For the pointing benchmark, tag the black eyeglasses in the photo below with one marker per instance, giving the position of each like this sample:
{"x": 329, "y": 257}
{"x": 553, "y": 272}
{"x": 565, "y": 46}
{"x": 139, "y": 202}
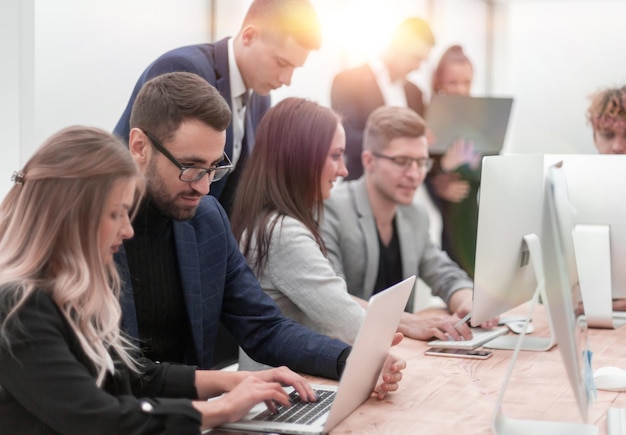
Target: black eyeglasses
{"x": 404, "y": 162}
{"x": 189, "y": 174}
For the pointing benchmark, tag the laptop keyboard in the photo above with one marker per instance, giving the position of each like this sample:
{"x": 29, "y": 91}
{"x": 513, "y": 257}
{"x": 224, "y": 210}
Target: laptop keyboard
{"x": 479, "y": 337}
{"x": 300, "y": 412}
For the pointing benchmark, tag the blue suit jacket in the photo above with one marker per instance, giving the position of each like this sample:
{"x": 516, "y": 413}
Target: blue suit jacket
{"x": 209, "y": 61}
{"x": 219, "y": 285}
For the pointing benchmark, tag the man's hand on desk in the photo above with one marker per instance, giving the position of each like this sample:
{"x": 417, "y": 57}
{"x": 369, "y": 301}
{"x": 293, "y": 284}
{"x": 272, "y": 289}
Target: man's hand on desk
{"x": 391, "y": 374}
{"x": 460, "y": 304}
{"x": 441, "y": 326}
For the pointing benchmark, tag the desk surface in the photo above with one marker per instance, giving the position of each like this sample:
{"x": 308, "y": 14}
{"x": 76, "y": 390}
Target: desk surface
{"x": 440, "y": 395}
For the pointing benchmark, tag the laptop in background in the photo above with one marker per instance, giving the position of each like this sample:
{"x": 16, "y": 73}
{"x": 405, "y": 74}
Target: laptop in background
{"x": 483, "y": 120}
{"x": 359, "y": 378}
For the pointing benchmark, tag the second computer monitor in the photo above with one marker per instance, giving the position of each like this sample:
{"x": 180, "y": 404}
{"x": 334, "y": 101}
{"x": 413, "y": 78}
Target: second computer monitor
{"x": 596, "y": 187}
{"x": 510, "y": 208}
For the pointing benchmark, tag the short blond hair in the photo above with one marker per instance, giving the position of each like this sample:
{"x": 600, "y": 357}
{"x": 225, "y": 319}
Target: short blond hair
{"x": 387, "y": 123}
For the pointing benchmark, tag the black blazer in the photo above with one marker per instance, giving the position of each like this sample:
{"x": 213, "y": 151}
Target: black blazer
{"x": 47, "y": 384}
{"x": 354, "y": 95}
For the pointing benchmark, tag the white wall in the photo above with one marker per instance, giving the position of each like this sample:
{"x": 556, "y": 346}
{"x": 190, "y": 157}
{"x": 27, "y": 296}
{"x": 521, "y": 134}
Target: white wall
{"x": 16, "y": 84}
{"x": 75, "y": 62}
{"x": 89, "y": 54}
{"x": 71, "y": 61}
{"x": 556, "y": 53}
{"x": 353, "y": 31}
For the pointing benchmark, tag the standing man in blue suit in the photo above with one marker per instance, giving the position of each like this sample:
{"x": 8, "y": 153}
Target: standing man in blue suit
{"x": 183, "y": 272}
{"x": 275, "y": 38}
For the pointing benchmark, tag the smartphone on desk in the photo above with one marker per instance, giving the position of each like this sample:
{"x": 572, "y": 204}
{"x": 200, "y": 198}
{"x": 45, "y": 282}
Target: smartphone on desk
{"x": 459, "y": 353}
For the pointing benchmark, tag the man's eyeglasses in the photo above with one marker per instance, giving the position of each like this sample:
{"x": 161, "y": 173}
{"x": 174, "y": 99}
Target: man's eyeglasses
{"x": 189, "y": 174}
{"x": 404, "y": 162}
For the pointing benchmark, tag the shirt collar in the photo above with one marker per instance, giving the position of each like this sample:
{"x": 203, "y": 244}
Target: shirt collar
{"x": 381, "y": 71}
{"x": 237, "y": 86}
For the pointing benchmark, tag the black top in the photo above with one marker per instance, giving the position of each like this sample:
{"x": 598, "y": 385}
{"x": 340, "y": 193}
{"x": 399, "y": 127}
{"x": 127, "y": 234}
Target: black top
{"x": 389, "y": 262}
{"x": 165, "y": 333}
{"x": 48, "y": 385}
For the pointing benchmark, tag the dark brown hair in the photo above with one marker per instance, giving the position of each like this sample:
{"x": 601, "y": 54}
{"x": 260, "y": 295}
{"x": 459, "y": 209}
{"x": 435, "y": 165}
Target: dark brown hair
{"x": 166, "y": 101}
{"x": 283, "y": 174}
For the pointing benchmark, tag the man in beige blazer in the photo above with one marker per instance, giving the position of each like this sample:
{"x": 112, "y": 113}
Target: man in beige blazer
{"x": 375, "y": 235}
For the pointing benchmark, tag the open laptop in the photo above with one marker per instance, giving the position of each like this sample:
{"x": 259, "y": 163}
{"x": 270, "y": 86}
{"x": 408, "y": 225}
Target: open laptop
{"x": 359, "y": 378}
{"x": 483, "y": 120}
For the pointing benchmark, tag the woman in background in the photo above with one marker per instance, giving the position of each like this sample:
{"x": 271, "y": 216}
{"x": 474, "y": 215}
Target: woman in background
{"x": 454, "y": 180}
{"x": 65, "y": 367}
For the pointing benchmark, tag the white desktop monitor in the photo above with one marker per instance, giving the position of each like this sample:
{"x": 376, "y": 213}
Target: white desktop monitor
{"x": 566, "y": 306}
{"x": 596, "y": 185}
{"x": 510, "y": 207}
{"x": 510, "y": 214}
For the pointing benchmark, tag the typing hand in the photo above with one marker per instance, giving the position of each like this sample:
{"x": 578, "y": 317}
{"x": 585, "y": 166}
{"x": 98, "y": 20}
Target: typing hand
{"x": 286, "y": 377}
{"x": 441, "y": 326}
{"x": 391, "y": 374}
{"x": 235, "y": 404}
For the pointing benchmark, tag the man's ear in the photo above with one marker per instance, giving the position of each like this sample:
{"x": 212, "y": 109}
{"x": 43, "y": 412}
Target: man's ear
{"x": 367, "y": 159}
{"x": 139, "y": 146}
{"x": 249, "y": 33}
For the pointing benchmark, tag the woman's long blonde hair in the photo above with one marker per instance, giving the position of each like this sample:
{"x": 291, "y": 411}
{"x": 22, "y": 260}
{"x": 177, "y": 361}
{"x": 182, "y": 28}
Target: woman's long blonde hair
{"x": 49, "y": 224}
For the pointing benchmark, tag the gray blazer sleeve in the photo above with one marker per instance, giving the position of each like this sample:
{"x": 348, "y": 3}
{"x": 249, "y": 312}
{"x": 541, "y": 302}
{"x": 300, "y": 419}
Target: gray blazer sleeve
{"x": 302, "y": 282}
{"x": 349, "y": 231}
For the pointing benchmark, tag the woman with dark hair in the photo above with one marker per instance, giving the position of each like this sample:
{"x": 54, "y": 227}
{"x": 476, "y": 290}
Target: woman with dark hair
{"x": 297, "y": 156}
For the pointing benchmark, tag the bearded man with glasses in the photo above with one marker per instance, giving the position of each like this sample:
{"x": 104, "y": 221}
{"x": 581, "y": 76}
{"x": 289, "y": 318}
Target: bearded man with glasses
{"x": 376, "y": 235}
{"x": 183, "y": 273}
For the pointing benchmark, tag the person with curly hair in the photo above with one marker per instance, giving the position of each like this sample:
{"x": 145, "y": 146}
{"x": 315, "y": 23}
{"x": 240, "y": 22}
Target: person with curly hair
{"x": 607, "y": 116}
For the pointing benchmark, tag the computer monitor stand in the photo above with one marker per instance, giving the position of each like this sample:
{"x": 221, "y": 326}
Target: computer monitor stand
{"x": 532, "y": 244}
{"x": 593, "y": 260}
{"x": 503, "y": 425}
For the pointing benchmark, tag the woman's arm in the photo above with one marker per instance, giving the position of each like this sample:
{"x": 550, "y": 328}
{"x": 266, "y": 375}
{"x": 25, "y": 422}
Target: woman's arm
{"x": 48, "y": 376}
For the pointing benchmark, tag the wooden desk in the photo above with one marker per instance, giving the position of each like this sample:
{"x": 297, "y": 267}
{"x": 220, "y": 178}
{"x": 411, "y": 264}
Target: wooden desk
{"x": 440, "y": 395}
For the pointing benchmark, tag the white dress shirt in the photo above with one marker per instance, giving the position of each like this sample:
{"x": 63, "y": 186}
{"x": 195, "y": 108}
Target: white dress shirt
{"x": 237, "y": 91}
{"x": 393, "y": 92}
